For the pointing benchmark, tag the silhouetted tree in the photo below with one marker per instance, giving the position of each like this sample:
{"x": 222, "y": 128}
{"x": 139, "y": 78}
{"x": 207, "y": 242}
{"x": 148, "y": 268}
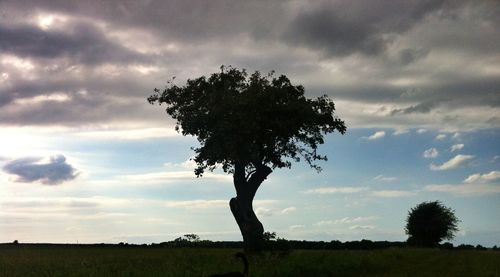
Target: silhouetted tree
{"x": 192, "y": 237}
{"x": 446, "y": 245}
{"x": 430, "y": 222}
{"x": 269, "y": 236}
{"x": 249, "y": 125}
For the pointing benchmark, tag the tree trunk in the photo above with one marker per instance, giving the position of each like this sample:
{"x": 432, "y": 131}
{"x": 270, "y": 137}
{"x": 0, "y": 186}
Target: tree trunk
{"x": 241, "y": 205}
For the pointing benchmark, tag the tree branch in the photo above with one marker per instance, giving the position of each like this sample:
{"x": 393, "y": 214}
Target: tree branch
{"x": 261, "y": 173}
{"x": 250, "y": 174}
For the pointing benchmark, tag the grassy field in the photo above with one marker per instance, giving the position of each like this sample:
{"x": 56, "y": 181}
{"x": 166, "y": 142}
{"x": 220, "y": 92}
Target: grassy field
{"x": 33, "y": 260}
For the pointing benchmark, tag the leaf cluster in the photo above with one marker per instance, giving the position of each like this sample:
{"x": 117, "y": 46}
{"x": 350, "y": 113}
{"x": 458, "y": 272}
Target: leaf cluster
{"x": 251, "y": 119}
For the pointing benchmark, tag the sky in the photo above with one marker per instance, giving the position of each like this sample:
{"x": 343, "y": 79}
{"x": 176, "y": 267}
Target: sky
{"x": 84, "y": 158}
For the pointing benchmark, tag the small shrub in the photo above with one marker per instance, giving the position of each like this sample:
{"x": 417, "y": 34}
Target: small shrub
{"x": 480, "y": 247}
{"x": 446, "y": 245}
{"x": 465, "y": 247}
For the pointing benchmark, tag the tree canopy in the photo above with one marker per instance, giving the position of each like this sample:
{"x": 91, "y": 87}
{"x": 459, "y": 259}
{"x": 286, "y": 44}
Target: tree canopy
{"x": 249, "y": 120}
{"x": 429, "y": 223}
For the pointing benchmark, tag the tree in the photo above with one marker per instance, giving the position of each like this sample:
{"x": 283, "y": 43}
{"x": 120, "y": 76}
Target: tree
{"x": 249, "y": 125}
{"x": 192, "y": 237}
{"x": 430, "y": 222}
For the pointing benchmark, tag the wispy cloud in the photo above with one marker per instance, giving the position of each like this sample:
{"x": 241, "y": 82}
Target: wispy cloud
{"x": 385, "y": 178}
{"x": 264, "y": 211}
{"x": 288, "y": 210}
{"x": 261, "y": 211}
{"x": 483, "y": 178}
{"x": 364, "y": 190}
{"x": 297, "y": 227}
{"x": 430, "y": 153}
{"x": 336, "y": 190}
{"x": 128, "y": 134}
{"x": 346, "y": 220}
{"x": 361, "y": 227}
{"x": 454, "y": 162}
{"x": 197, "y": 204}
{"x": 160, "y": 177}
{"x": 399, "y": 132}
{"x": 208, "y": 203}
{"x": 393, "y": 193}
{"x": 464, "y": 189}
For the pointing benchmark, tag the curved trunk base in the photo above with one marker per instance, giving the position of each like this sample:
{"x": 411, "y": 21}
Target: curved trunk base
{"x": 251, "y": 228}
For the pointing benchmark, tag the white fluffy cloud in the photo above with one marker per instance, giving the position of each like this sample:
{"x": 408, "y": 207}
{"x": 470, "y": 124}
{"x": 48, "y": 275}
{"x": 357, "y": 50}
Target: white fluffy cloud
{"x": 430, "y": 153}
{"x": 457, "y": 147}
{"x": 376, "y": 135}
{"x": 475, "y": 184}
{"x": 453, "y": 163}
{"x": 440, "y": 137}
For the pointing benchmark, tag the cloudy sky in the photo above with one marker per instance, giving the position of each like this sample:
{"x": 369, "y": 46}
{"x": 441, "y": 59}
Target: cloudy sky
{"x": 85, "y": 158}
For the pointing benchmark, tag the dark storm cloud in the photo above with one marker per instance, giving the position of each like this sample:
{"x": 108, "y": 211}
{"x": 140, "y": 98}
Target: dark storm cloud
{"x": 411, "y": 57}
{"x": 80, "y": 111}
{"x": 425, "y": 107}
{"x": 81, "y": 42}
{"x": 471, "y": 91}
{"x": 5, "y": 99}
{"x": 194, "y": 20}
{"x": 28, "y": 170}
{"x": 345, "y": 27}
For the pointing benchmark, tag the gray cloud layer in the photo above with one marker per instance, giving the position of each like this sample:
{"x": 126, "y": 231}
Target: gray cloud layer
{"x": 345, "y": 27}
{"x": 82, "y": 43}
{"x": 54, "y": 172}
{"x": 417, "y": 63}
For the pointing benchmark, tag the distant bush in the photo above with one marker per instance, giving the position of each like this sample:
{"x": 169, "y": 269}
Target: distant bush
{"x": 480, "y": 247}
{"x": 192, "y": 237}
{"x": 274, "y": 243}
{"x": 269, "y": 236}
{"x": 465, "y": 247}
{"x": 446, "y": 245}
{"x": 15, "y": 242}
{"x": 429, "y": 223}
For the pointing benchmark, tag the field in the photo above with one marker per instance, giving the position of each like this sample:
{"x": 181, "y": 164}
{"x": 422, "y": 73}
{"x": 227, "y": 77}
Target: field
{"x": 57, "y": 260}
